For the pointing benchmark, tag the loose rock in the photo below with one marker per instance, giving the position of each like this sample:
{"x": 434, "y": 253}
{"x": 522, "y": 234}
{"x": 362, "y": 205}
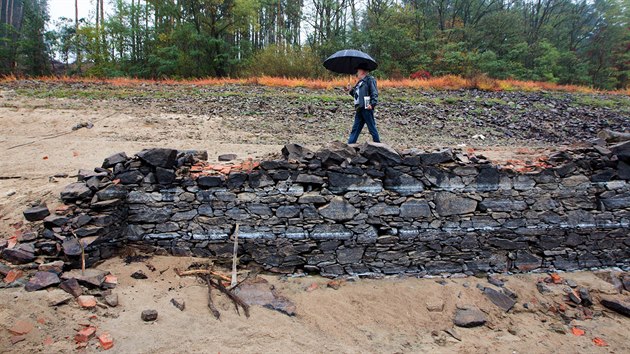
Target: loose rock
{"x": 42, "y": 280}
{"x": 149, "y": 315}
{"x": 469, "y": 317}
{"x": 620, "y": 306}
{"x": 36, "y": 213}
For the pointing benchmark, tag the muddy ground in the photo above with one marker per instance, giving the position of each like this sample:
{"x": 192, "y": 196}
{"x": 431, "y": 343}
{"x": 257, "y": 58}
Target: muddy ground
{"x": 41, "y": 152}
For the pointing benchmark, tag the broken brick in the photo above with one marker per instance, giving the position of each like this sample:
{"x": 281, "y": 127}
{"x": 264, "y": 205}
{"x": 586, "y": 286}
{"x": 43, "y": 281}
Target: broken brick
{"x": 106, "y": 340}
{"x": 86, "y": 301}
{"x": 85, "y": 334}
{"x": 110, "y": 281}
{"x": 13, "y": 275}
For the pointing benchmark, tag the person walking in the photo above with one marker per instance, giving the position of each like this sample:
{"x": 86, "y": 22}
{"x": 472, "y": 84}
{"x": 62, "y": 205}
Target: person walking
{"x": 365, "y": 96}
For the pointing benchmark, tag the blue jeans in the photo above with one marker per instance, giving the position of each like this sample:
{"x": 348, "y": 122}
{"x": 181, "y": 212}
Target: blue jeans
{"x": 362, "y": 117}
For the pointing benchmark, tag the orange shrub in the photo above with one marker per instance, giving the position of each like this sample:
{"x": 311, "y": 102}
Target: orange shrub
{"x": 446, "y": 82}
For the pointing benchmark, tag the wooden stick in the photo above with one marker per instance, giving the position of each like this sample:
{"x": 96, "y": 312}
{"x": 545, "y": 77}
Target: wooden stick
{"x": 235, "y": 299}
{"x": 213, "y": 308}
{"x": 235, "y": 258}
{"x": 201, "y": 272}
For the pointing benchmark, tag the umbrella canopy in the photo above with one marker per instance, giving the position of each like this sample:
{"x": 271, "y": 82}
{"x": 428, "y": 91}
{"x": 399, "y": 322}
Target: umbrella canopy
{"x": 348, "y": 60}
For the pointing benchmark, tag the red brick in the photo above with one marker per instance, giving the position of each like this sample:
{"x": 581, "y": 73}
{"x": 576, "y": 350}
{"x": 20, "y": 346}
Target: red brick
{"x": 107, "y": 342}
{"x": 13, "y": 275}
{"x": 85, "y": 334}
{"x": 86, "y": 301}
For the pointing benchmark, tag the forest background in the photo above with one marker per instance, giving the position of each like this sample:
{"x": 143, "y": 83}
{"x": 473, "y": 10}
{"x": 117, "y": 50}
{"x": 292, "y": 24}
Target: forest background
{"x": 575, "y": 42}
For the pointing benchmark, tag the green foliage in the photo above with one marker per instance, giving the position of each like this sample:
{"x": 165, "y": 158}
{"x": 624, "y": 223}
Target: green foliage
{"x": 563, "y": 41}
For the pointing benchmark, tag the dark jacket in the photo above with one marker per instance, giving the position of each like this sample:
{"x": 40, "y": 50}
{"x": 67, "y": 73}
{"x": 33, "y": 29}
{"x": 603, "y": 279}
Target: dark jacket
{"x": 365, "y": 87}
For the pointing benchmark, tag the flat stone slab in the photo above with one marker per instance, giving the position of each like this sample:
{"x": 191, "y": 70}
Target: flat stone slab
{"x": 259, "y": 292}
{"x": 503, "y": 301}
{"x": 42, "y": 280}
{"x": 469, "y": 317}
{"x": 93, "y": 277}
{"x": 447, "y": 203}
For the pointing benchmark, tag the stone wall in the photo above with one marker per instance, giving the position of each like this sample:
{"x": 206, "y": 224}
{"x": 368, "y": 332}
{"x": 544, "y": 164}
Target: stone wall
{"x": 356, "y": 210}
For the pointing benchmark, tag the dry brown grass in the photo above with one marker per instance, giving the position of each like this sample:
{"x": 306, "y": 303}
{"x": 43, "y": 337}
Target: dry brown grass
{"x": 447, "y": 82}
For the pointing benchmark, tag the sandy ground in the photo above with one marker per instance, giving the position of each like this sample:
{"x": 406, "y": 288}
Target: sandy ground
{"x": 368, "y": 315}
{"x": 364, "y": 316}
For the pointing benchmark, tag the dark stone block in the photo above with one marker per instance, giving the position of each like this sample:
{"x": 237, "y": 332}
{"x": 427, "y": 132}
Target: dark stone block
{"x": 438, "y": 267}
{"x": 259, "y": 179}
{"x": 259, "y": 209}
{"x": 487, "y": 179}
{"x": 382, "y": 209}
{"x": 447, "y": 203}
{"x": 603, "y": 176}
{"x": 338, "y": 209}
{"x": 616, "y": 304}
{"x": 165, "y": 158}
{"x": 349, "y": 255}
{"x": 236, "y": 180}
{"x": 469, "y": 317}
{"x": 113, "y": 191}
{"x": 526, "y": 261}
{"x": 274, "y": 164}
{"x": 415, "y": 208}
{"x": 206, "y": 182}
{"x": 106, "y": 204}
{"x": 17, "y": 255}
{"x": 309, "y": 179}
{"x": 184, "y": 215}
{"x": 130, "y": 177}
{"x": 89, "y": 231}
{"x": 287, "y": 211}
{"x": 280, "y": 175}
{"x": 503, "y": 301}
{"x": 438, "y": 157}
{"x": 76, "y": 191}
{"x": 341, "y": 182}
{"x": 297, "y": 152}
{"x": 622, "y": 150}
{"x": 42, "y": 280}
{"x": 623, "y": 170}
{"x": 150, "y": 215}
{"x": 620, "y": 201}
{"x": 402, "y": 183}
{"x": 381, "y": 153}
{"x": 55, "y": 220}
{"x": 164, "y": 176}
{"x": 36, "y": 213}
{"x": 335, "y": 153}
{"x": 114, "y": 159}
{"x": 227, "y": 157}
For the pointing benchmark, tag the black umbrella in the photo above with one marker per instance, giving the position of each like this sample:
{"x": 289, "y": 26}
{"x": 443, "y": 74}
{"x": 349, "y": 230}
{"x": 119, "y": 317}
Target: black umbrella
{"x": 348, "y": 60}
